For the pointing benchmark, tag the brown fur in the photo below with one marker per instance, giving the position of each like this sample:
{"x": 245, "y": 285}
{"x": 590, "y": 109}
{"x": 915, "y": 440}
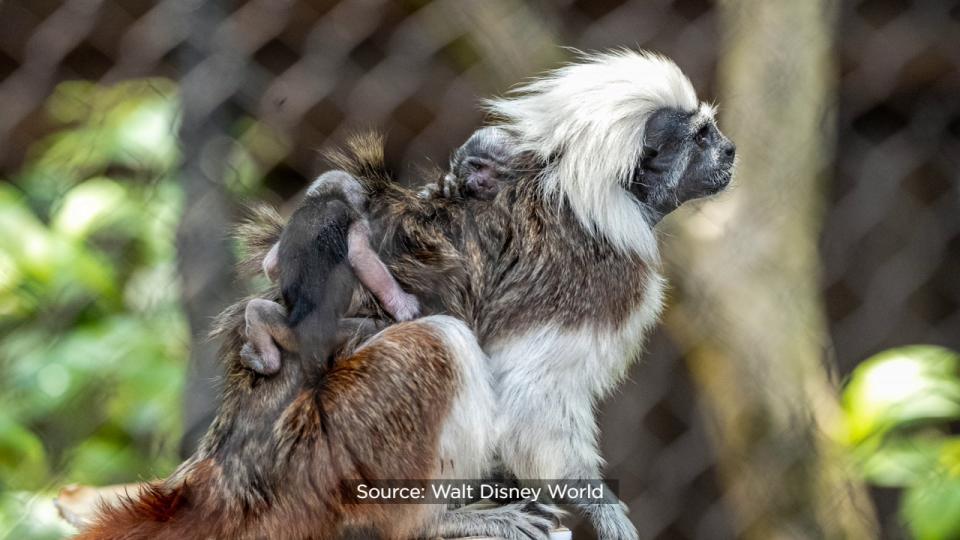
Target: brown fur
{"x": 274, "y": 460}
{"x": 257, "y": 233}
{"x": 503, "y": 266}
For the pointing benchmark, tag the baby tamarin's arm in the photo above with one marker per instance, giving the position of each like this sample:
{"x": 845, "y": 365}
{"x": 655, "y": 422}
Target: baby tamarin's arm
{"x": 375, "y": 276}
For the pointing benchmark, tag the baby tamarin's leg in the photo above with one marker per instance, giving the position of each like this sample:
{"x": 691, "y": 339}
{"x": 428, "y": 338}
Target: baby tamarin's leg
{"x": 375, "y": 276}
{"x": 266, "y": 328}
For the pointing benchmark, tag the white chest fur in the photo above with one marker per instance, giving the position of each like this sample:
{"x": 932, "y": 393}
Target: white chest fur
{"x": 593, "y": 357}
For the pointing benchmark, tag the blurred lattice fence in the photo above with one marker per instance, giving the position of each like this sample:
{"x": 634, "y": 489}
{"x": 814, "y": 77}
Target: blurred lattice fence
{"x": 316, "y": 70}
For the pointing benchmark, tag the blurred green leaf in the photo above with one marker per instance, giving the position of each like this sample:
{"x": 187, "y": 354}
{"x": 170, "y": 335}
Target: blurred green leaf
{"x": 901, "y": 462}
{"x": 94, "y": 203}
{"x": 93, "y": 341}
{"x": 896, "y": 407}
{"x": 22, "y": 460}
{"x": 100, "y": 460}
{"x": 931, "y": 509}
{"x": 901, "y": 386}
{"x": 71, "y": 101}
{"x": 147, "y": 137}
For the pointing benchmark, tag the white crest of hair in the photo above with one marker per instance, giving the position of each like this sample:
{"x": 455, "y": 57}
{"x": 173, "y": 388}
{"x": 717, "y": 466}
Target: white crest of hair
{"x": 586, "y": 121}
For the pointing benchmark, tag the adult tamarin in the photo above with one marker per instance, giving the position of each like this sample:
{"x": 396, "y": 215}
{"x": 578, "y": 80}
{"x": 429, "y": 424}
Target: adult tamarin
{"x": 557, "y": 277}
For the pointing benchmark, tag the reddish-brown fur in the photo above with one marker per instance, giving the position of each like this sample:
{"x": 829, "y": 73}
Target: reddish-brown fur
{"x": 275, "y": 463}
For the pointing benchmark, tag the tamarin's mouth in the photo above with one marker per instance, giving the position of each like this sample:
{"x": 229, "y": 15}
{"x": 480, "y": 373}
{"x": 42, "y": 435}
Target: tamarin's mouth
{"x": 720, "y": 181}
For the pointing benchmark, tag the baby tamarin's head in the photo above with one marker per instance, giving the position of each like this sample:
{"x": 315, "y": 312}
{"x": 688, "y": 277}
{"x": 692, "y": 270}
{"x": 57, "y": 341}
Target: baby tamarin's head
{"x": 482, "y": 164}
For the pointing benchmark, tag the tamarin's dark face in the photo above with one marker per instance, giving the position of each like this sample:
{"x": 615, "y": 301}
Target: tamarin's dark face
{"x": 484, "y": 162}
{"x": 684, "y": 157}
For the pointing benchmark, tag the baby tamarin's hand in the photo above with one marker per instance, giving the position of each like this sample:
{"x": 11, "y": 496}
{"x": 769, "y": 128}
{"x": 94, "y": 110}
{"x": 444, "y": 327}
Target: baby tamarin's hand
{"x": 403, "y": 306}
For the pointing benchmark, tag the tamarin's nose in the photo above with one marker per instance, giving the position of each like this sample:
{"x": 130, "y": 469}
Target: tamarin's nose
{"x": 729, "y": 150}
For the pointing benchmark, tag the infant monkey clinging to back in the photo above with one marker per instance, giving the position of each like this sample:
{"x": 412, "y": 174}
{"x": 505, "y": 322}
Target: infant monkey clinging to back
{"x": 325, "y": 249}
{"x": 478, "y": 167}
{"x": 326, "y": 245}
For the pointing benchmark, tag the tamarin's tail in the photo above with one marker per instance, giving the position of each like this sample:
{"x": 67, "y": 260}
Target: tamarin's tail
{"x": 145, "y": 512}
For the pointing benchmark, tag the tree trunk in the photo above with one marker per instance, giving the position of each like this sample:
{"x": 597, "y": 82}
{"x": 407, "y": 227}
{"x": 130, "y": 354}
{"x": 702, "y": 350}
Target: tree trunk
{"x": 748, "y": 311}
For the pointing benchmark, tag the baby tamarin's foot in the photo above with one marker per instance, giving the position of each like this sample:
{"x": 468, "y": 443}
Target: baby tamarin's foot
{"x": 266, "y": 328}
{"x": 265, "y": 362}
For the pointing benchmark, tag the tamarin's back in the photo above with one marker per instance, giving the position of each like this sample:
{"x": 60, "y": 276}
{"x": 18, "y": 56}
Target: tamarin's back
{"x": 316, "y": 281}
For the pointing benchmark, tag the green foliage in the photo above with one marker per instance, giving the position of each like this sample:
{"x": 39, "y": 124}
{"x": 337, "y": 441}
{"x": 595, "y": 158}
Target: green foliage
{"x": 896, "y": 409}
{"x": 92, "y": 367}
{"x": 93, "y": 343}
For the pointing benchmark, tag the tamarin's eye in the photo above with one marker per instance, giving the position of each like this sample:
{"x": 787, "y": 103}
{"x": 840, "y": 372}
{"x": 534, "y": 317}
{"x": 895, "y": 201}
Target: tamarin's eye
{"x": 701, "y": 136}
{"x": 647, "y": 160}
{"x": 475, "y": 164}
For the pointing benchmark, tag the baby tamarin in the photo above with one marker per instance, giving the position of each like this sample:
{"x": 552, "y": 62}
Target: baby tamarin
{"x": 479, "y": 167}
{"x": 329, "y": 228}
{"x": 325, "y": 248}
